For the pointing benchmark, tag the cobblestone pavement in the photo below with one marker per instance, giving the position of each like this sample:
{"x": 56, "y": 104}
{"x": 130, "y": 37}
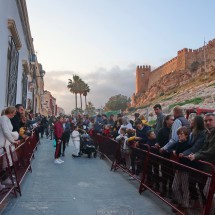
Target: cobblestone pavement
{"x": 79, "y": 186}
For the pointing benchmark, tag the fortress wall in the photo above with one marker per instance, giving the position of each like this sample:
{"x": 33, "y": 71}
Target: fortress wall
{"x": 165, "y": 69}
{"x": 198, "y": 54}
{"x": 183, "y": 60}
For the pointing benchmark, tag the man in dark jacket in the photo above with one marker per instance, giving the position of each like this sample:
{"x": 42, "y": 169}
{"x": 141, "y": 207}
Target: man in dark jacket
{"x": 16, "y": 120}
{"x": 160, "y": 118}
{"x": 207, "y": 152}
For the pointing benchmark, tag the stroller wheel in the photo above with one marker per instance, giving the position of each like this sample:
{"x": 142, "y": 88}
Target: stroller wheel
{"x": 89, "y": 155}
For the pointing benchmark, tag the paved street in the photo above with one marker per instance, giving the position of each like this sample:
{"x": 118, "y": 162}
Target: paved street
{"x": 79, "y": 186}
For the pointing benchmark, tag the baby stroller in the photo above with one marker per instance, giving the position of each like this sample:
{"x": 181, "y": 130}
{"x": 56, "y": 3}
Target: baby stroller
{"x": 87, "y": 146}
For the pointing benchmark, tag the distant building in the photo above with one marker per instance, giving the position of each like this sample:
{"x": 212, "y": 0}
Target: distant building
{"x": 60, "y": 111}
{"x": 49, "y": 104}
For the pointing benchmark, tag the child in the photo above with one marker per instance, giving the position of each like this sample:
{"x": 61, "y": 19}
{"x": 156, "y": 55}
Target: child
{"x": 180, "y": 184}
{"x": 123, "y": 136}
{"x": 125, "y": 153}
{"x": 153, "y": 166}
{"x": 106, "y": 131}
{"x": 76, "y": 142}
{"x": 151, "y": 138}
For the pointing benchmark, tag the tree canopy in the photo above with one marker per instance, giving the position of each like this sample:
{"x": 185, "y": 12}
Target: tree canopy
{"x": 117, "y": 102}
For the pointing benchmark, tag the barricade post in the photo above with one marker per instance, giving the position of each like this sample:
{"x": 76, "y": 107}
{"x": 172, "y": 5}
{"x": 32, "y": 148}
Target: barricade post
{"x": 21, "y": 163}
{"x": 7, "y": 185}
{"x": 21, "y": 158}
{"x": 108, "y": 147}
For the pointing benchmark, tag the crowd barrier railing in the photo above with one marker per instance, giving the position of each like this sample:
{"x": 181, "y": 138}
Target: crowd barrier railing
{"x": 106, "y": 146}
{"x": 21, "y": 158}
{"x": 7, "y": 184}
{"x": 186, "y": 186}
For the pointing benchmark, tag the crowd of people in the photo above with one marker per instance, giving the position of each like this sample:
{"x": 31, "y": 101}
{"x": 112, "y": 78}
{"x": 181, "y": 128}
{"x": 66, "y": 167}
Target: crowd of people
{"x": 171, "y": 133}
{"x": 15, "y": 126}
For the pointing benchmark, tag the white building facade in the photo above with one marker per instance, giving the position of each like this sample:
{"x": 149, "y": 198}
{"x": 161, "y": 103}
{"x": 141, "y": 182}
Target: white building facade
{"x": 21, "y": 77}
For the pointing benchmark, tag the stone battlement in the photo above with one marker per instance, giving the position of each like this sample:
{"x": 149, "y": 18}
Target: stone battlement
{"x": 145, "y": 78}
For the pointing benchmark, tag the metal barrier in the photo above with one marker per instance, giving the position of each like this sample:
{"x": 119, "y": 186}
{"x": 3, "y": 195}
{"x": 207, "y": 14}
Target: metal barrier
{"x": 7, "y": 185}
{"x": 188, "y": 187}
{"x": 106, "y": 146}
{"x": 21, "y": 158}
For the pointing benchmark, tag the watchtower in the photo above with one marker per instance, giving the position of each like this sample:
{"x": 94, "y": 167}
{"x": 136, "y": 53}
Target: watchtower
{"x": 142, "y": 78}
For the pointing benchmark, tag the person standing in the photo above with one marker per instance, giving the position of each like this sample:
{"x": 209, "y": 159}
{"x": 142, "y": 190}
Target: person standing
{"x": 8, "y": 137}
{"x": 44, "y": 125}
{"x": 76, "y": 142}
{"x": 140, "y": 139}
{"x": 52, "y": 121}
{"x": 179, "y": 121}
{"x": 125, "y": 124}
{"x": 111, "y": 121}
{"x": 166, "y": 168}
{"x": 207, "y": 152}
{"x": 58, "y": 132}
{"x": 16, "y": 120}
{"x": 66, "y": 134}
{"x": 160, "y": 118}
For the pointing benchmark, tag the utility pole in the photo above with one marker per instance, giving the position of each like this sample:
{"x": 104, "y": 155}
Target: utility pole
{"x": 205, "y": 60}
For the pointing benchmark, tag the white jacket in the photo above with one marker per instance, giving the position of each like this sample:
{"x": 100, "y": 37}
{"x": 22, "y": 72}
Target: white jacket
{"x": 7, "y": 136}
{"x": 75, "y": 135}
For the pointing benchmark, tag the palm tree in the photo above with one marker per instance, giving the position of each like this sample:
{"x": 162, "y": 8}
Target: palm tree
{"x": 85, "y": 92}
{"x": 81, "y": 84}
{"x": 90, "y": 109}
{"x": 73, "y": 87}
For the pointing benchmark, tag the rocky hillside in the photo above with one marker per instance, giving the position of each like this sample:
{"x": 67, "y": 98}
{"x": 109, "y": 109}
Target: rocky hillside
{"x": 189, "y": 88}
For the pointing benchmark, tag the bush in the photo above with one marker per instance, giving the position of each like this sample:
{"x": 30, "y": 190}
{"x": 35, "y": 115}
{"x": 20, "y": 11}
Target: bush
{"x": 191, "y": 101}
{"x": 211, "y": 85}
{"x": 131, "y": 109}
{"x": 152, "y": 122}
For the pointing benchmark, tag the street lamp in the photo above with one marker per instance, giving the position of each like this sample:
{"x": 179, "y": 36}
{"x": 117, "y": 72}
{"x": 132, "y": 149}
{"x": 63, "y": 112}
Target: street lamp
{"x": 42, "y": 73}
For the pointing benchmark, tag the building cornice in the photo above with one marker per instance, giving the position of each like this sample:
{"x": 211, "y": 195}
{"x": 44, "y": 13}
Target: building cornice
{"x": 23, "y": 12}
{"x": 14, "y": 33}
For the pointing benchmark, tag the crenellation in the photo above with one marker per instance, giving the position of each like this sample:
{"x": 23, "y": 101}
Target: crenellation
{"x": 145, "y": 78}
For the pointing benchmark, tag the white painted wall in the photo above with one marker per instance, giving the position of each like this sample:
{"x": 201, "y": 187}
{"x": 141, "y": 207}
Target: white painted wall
{"x": 9, "y": 10}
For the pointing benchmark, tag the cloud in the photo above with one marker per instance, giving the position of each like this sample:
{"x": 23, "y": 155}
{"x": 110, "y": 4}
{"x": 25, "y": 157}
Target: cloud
{"x": 103, "y": 83}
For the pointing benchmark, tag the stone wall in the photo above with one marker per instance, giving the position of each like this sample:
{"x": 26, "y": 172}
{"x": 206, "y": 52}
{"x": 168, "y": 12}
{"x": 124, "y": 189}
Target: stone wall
{"x": 145, "y": 78}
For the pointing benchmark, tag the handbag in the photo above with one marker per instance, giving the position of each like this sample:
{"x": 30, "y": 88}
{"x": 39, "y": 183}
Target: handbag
{"x": 54, "y": 143}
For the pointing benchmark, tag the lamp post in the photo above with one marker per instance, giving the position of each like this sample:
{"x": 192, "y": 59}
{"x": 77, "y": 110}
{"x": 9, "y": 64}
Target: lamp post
{"x": 205, "y": 60}
{"x": 42, "y": 73}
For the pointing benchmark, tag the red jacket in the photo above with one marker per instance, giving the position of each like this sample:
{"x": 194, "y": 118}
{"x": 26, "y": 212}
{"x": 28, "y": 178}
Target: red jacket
{"x": 58, "y": 130}
{"x": 106, "y": 132}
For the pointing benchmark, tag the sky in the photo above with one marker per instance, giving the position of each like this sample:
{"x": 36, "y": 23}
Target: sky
{"x": 103, "y": 41}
